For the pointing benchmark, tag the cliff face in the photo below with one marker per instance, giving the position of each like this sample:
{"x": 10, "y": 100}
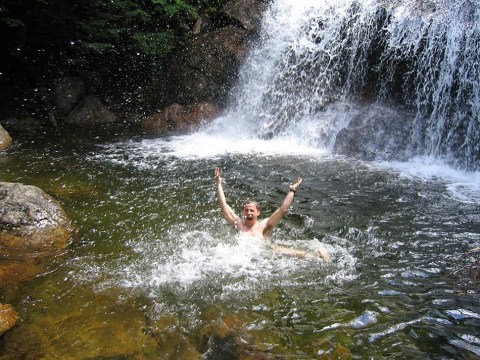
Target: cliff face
{"x": 142, "y": 61}
{"x": 206, "y": 69}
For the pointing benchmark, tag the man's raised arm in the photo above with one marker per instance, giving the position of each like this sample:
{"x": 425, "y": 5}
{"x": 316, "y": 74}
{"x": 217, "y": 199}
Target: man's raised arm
{"x": 231, "y": 217}
{"x": 277, "y": 216}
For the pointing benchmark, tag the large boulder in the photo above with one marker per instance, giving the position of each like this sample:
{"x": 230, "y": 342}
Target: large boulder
{"x": 8, "y": 318}
{"x": 91, "y": 110}
{"x": 376, "y": 133}
{"x": 31, "y": 220}
{"x": 5, "y": 139}
{"x": 67, "y": 95}
{"x": 180, "y": 118}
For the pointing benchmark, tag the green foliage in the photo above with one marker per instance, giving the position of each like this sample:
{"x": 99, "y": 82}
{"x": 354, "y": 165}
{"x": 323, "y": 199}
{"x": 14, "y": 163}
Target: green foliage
{"x": 7, "y": 20}
{"x": 139, "y": 15}
{"x": 173, "y": 8}
{"x": 14, "y": 23}
{"x": 155, "y": 44}
{"x": 151, "y": 26}
{"x": 97, "y": 48}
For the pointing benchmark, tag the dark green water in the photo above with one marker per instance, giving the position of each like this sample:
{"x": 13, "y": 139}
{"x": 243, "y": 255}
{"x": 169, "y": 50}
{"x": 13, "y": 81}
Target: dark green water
{"x": 155, "y": 272}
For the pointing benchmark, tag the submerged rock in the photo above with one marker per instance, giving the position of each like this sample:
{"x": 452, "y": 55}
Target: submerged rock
{"x": 84, "y": 325}
{"x": 15, "y": 272}
{"x": 5, "y": 139}
{"x": 31, "y": 220}
{"x": 23, "y": 123}
{"x": 8, "y": 318}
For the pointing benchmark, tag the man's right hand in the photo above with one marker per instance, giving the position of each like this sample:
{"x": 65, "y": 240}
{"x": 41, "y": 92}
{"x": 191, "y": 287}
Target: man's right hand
{"x": 218, "y": 175}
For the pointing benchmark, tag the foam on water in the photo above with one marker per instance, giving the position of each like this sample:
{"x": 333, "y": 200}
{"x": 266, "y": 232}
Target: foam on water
{"x": 462, "y": 186}
{"x": 366, "y": 319}
{"x": 202, "y": 145}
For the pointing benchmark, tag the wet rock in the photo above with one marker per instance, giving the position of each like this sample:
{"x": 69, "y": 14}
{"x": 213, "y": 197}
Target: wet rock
{"x": 376, "y": 133}
{"x": 195, "y": 116}
{"x": 8, "y": 318}
{"x": 225, "y": 338}
{"x": 201, "y": 24}
{"x": 160, "y": 122}
{"x": 172, "y": 344}
{"x": 31, "y": 220}
{"x": 67, "y": 95}
{"x": 91, "y": 111}
{"x": 5, "y": 139}
{"x": 181, "y": 118}
{"x": 248, "y": 13}
{"x": 208, "y": 68}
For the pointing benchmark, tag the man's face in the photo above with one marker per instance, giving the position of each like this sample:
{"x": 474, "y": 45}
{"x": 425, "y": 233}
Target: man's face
{"x": 250, "y": 214}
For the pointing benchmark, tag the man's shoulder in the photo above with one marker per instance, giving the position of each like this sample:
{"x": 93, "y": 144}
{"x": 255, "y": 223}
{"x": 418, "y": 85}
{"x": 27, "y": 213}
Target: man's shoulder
{"x": 263, "y": 222}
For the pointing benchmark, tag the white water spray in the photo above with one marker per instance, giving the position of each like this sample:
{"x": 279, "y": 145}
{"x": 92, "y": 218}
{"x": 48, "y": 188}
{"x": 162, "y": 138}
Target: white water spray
{"x": 318, "y": 65}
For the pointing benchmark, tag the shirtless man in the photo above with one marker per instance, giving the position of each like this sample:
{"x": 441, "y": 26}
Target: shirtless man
{"x": 261, "y": 228}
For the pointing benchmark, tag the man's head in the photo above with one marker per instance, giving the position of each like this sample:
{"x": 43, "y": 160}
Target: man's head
{"x": 251, "y": 211}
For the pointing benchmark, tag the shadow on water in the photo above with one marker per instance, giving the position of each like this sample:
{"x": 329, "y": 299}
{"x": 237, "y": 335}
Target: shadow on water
{"x": 155, "y": 270}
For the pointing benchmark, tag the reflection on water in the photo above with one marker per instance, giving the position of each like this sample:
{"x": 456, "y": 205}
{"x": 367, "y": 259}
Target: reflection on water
{"x": 154, "y": 263}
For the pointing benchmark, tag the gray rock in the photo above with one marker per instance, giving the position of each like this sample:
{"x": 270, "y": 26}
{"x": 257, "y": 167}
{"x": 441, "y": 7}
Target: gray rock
{"x": 246, "y": 12}
{"x": 31, "y": 220}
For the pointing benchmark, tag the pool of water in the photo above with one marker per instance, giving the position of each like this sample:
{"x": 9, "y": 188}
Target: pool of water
{"x": 155, "y": 271}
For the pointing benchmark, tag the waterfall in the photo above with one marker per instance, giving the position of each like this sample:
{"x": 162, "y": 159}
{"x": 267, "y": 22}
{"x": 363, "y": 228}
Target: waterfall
{"x": 374, "y": 79}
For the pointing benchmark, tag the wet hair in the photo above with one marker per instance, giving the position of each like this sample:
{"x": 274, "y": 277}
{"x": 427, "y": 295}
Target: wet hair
{"x": 256, "y": 203}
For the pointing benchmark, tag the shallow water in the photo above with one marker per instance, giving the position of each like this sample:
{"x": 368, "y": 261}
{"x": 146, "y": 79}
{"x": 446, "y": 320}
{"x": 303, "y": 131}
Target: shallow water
{"x": 154, "y": 265}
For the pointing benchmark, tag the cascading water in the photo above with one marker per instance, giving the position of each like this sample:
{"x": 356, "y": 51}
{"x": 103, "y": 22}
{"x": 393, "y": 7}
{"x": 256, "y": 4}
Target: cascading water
{"x": 374, "y": 79}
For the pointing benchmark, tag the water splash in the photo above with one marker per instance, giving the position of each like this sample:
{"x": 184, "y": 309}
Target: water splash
{"x": 185, "y": 263}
